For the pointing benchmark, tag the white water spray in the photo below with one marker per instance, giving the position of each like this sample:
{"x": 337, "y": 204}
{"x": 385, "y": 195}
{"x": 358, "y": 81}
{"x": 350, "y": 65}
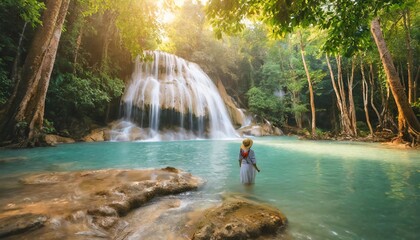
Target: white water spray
{"x": 172, "y": 99}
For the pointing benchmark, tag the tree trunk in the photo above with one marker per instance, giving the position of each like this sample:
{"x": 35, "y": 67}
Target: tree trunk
{"x": 16, "y": 75}
{"x": 296, "y": 100}
{"x": 387, "y": 118}
{"x": 365, "y": 89}
{"x": 311, "y": 91}
{"x": 352, "y": 109}
{"x": 23, "y": 119}
{"x": 347, "y": 129}
{"x": 372, "y": 92}
{"x": 415, "y": 83}
{"x": 406, "y": 21}
{"x": 341, "y": 97}
{"x": 16, "y": 62}
{"x": 78, "y": 44}
{"x": 394, "y": 82}
{"x": 109, "y": 18}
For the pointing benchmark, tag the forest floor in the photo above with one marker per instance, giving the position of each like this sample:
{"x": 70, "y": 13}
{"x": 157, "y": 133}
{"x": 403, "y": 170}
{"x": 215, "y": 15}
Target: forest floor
{"x": 384, "y": 137}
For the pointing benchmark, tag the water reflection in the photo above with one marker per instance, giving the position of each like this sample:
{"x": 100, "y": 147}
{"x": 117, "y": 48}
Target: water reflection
{"x": 398, "y": 179}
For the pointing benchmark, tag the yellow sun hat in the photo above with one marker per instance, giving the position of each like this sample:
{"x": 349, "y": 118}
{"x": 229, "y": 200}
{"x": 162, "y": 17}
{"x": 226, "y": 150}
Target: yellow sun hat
{"x": 247, "y": 143}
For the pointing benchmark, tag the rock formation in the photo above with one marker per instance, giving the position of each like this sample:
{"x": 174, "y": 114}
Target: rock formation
{"x": 79, "y": 205}
{"x": 266, "y": 129}
{"x": 128, "y": 204}
{"x": 238, "y": 218}
{"x": 235, "y": 114}
{"x": 52, "y": 139}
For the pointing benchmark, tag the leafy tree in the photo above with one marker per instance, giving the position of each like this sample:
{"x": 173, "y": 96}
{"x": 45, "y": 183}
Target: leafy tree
{"x": 348, "y": 24}
{"x": 22, "y": 118}
{"x": 265, "y": 105}
{"x": 16, "y": 17}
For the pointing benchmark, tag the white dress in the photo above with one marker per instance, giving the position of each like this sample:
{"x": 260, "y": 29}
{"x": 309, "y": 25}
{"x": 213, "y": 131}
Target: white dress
{"x": 248, "y": 171}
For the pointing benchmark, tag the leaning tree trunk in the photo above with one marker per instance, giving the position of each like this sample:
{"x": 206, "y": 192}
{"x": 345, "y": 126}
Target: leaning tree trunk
{"x": 15, "y": 73}
{"x": 311, "y": 91}
{"x": 16, "y": 62}
{"x": 22, "y": 120}
{"x": 394, "y": 82}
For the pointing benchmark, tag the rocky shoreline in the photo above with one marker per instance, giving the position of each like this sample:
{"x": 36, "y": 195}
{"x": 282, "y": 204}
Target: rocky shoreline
{"x": 126, "y": 204}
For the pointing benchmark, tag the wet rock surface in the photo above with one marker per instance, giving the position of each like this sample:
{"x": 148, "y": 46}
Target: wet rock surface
{"x": 265, "y": 129}
{"x": 52, "y": 139}
{"x": 97, "y": 135}
{"x": 238, "y": 218}
{"x": 129, "y": 204}
{"x": 20, "y": 224}
{"x": 85, "y": 204}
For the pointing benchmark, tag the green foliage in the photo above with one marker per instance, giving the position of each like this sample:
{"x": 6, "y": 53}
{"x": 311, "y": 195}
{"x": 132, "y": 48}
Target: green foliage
{"x": 265, "y": 106}
{"x": 71, "y": 95}
{"x": 5, "y": 87}
{"x": 29, "y": 10}
{"x": 136, "y": 20}
{"x": 347, "y": 22}
{"x": 191, "y": 39}
{"x": 416, "y": 107}
{"x": 48, "y": 127}
{"x": 22, "y": 125}
{"x": 13, "y": 15}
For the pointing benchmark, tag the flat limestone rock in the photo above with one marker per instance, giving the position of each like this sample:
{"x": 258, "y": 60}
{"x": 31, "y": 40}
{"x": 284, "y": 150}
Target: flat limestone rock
{"x": 129, "y": 204}
{"x": 238, "y": 218}
{"x": 21, "y": 223}
{"x": 52, "y": 139}
{"x": 85, "y": 204}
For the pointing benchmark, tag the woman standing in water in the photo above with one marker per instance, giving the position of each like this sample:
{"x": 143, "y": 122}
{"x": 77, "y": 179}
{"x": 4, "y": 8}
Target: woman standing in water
{"x": 247, "y": 162}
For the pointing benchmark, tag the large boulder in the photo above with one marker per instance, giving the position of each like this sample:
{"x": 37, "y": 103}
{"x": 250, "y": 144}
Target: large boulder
{"x": 97, "y": 135}
{"x": 265, "y": 129}
{"x": 238, "y": 218}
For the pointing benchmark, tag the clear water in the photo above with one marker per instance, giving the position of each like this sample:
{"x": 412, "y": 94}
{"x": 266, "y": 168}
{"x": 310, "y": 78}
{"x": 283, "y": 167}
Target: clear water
{"x": 328, "y": 190}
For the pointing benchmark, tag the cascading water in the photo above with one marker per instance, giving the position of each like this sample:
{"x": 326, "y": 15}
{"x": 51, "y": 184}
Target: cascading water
{"x": 170, "y": 98}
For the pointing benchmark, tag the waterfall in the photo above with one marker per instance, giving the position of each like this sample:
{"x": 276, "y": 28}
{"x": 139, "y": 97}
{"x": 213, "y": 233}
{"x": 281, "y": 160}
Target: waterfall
{"x": 169, "y": 98}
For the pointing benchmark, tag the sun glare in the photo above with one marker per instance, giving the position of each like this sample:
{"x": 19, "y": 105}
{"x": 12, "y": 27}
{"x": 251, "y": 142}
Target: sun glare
{"x": 167, "y": 16}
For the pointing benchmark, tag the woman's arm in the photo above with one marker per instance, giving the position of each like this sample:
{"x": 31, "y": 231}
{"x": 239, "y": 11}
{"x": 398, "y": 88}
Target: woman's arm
{"x": 255, "y": 166}
{"x": 253, "y": 160}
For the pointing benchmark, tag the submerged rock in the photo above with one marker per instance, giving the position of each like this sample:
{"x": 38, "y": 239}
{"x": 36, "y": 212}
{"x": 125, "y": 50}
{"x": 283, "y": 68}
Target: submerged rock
{"x": 239, "y": 219}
